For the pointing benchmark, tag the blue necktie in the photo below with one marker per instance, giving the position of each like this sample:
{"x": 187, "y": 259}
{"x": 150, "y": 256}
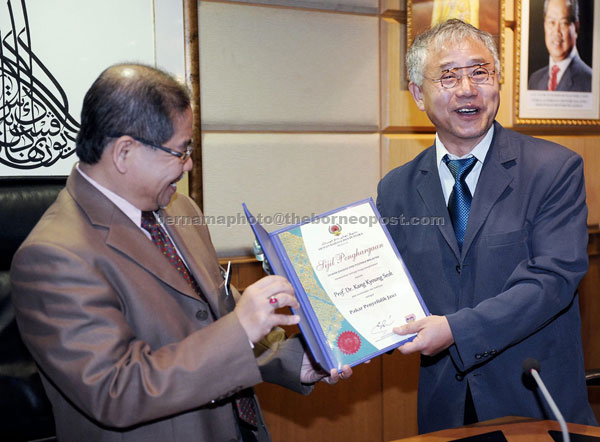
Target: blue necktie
{"x": 459, "y": 203}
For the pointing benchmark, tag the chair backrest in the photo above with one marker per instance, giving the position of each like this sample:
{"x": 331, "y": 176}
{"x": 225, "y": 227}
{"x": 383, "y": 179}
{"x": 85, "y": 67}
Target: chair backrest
{"x": 25, "y": 412}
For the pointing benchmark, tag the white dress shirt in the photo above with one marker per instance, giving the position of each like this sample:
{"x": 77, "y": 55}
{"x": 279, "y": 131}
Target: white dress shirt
{"x": 446, "y": 177}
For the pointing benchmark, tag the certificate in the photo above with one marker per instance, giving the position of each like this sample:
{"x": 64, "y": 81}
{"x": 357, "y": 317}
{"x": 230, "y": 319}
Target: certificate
{"x": 350, "y": 281}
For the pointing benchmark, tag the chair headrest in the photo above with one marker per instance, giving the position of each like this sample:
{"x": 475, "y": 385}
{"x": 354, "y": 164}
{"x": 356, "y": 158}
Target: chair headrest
{"x": 22, "y": 203}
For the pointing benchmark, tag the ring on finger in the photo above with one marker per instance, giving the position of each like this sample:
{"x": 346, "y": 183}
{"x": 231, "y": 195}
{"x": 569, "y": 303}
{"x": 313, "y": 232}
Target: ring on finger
{"x": 274, "y": 301}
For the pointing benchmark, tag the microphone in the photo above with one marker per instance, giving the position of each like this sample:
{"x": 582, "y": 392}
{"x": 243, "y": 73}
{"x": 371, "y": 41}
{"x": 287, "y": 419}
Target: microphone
{"x": 531, "y": 367}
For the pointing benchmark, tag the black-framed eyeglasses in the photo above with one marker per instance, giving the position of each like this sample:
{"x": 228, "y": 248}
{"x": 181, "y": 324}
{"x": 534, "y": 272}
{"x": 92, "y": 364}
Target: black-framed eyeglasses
{"x": 477, "y": 73}
{"x": 183, "y": 156}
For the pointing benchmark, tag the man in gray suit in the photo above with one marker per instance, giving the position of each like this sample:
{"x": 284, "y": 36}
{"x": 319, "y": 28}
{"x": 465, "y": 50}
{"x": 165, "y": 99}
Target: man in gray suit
{"x": 136, "y": 333}
{"x": 565, "y": 71}
{"x": 500, "y": 274}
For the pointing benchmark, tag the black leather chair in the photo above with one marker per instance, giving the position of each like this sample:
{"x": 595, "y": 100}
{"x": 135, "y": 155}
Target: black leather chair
{"x": 25, "y": 412}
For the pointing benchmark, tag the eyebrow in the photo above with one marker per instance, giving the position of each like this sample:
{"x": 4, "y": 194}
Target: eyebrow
{"x": 451, "y": 65}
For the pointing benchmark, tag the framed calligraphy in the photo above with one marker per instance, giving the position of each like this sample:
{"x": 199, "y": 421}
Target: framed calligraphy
{"x": 557, "y": 68}
{"x": 52, "y": 51}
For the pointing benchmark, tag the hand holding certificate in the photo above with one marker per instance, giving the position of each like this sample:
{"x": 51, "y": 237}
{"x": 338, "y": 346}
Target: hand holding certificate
{"x": 351, "y": 283}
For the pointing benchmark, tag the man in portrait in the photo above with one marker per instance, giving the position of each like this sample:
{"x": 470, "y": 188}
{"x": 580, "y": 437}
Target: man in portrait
{"x": 565, "y": 71}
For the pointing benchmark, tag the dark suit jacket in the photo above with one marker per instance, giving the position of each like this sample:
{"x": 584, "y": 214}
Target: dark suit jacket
{"x": 577, "y": 78}
{"x": 128, "y": 351}
{"x": 511, "y": 294}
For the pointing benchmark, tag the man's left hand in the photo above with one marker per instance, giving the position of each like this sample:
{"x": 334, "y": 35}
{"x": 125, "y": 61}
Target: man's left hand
{"x": 311, "y": 372}
{"x": 433, "y": 336}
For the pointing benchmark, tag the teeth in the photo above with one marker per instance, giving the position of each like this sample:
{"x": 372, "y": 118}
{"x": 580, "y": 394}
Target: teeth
{"x": 467, "y": 111}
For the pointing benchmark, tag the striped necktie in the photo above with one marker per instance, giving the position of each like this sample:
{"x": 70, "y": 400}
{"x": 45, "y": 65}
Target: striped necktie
{"x": 167, "y": 248}
{"x": 459, "y": 203}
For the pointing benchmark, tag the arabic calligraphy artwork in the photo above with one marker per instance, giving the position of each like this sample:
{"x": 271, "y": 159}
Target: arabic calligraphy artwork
{"x": 36, "y": 127}
{"x": 51, "y": 51}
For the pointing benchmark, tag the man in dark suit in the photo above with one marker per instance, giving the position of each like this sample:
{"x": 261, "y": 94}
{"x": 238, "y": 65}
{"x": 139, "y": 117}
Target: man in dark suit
{"x": 136, "y": 333}
{"x": 500, "y": 274}
{"x": 566, "y": 71}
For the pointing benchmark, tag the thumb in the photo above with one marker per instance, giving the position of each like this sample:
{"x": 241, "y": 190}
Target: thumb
{"x": 407, "y": 329}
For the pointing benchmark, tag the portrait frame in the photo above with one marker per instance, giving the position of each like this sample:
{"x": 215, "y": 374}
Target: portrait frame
{"x": 535, "y": 106}
{"x": 419, "y": 18}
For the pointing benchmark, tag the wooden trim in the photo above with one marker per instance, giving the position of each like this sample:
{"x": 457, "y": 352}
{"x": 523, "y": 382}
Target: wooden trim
{"x": 238, "y": 260}
{"x": 594, "y": 241}
{"x": 192, "y": 76}
{"x": 365, "y": 13}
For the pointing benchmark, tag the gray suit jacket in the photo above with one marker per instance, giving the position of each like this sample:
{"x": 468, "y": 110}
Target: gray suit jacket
{"x": 127, "y": 350}
{"x": 511, "y": 293}
{"x": 577, "y": 78}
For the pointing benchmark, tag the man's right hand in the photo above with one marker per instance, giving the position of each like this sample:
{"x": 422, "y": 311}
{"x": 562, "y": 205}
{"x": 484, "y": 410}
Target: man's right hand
{"x": 256, "y": 311}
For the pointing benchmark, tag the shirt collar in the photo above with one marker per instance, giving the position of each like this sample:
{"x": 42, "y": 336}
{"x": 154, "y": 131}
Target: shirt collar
{"x": 479, "y": 151}
{"x": 132, "y": 212}
{"x": 563, "y": 64}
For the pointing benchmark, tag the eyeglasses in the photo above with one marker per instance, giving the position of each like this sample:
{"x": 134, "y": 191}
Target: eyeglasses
{"x": 477, "y": 73}
{"x": 183, "y": 156}
{"x": 563, "y": 22}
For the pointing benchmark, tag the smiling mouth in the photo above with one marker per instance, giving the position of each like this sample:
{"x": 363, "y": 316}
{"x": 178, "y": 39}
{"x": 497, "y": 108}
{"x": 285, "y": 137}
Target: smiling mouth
{"x": 467, "y": 111}
{"x": 174, "y": 183}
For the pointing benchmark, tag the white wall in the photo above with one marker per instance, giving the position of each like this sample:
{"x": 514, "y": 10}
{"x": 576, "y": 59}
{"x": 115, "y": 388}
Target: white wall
{"x": 290, "y": 110}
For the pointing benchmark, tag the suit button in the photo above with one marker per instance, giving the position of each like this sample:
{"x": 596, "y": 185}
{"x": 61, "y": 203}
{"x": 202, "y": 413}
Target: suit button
{"x": 477, "y": 356}
{"x": 458, "y": 269}
{"x": 485, "y": 354}
{"x": 459, "y": 377}
{"x": 201, "y": 315}
{"x": 493, "y": 352}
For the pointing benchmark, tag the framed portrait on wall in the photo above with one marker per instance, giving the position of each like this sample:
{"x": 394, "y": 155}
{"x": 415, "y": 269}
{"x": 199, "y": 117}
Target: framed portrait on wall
{"x": 557, "y": 66}
{"x": 487, "y": 15}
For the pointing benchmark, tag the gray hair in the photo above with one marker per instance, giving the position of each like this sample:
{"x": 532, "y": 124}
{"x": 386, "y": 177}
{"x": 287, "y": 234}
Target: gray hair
{"x": 572, "y": 6}
{"x": 451, "y": 31}
{"x": 129, "y": 99}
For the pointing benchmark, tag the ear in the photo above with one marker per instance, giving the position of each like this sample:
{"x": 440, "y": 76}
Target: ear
{"x": 122, "y": 153}
{"x": 417, "y": 95}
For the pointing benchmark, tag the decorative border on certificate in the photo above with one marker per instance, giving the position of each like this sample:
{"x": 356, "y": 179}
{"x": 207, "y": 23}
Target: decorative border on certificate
{"x": 535, "y": 106}
{"x": 350, "y": 280}
{"x": 345, "y": 342}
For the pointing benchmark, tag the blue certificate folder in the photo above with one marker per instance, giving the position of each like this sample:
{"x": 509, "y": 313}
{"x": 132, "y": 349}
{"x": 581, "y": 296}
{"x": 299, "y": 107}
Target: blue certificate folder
{"x": 330, "y": 334}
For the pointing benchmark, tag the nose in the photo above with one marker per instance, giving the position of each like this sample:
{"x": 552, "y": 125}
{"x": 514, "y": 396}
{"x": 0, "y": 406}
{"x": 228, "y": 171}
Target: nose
{"x": 188, "y": 164}
{"x": 555, "y": 27}
{"x": 558, "y": 29}
{"x": 465, "y": 86}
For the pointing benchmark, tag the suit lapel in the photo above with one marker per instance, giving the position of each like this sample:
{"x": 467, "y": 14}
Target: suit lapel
{"x": 198, "y": 263}
{"x": 566, "y": 81}
{"x": 123, "y": 235}
{"x": 130, "y": 240}
{"x": 430, "y": 189}
{"x": 493, "y": 181}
